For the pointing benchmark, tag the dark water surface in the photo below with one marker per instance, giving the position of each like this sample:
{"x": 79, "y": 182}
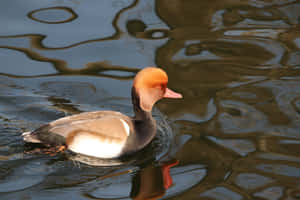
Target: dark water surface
{"x": 235, "y": 135}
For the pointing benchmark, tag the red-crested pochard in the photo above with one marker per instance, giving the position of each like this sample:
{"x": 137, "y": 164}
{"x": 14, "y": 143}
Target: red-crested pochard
{"x": 110, "y": 134}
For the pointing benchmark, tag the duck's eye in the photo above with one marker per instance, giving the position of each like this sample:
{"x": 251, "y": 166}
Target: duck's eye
{"x": 161, "y": 87}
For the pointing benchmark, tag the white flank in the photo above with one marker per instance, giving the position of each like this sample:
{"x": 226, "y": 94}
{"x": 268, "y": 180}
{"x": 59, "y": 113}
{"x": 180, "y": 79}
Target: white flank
{"x": 126, "y": 127}
{"x": 91, "y": 146}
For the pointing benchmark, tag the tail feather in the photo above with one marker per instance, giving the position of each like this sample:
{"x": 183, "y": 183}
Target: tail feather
{"x": 29, "y": 137}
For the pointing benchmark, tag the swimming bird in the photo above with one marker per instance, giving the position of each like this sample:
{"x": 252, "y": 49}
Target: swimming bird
{"x": 110, "y": 134}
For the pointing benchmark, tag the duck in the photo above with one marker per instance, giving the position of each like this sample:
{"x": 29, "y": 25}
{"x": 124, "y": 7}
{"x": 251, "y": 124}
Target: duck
{"x": 109, "y": 134}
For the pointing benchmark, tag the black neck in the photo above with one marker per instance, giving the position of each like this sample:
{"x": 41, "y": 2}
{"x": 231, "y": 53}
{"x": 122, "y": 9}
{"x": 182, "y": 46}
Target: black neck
{"x": 144, "y": 124}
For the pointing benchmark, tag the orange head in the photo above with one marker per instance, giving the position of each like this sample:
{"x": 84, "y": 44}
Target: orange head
{"x": 150, "y": 84}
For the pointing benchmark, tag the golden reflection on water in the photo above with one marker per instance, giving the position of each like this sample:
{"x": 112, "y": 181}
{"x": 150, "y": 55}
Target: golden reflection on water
{"x": 65, "y": 10}
{"x": 236, "y": 63}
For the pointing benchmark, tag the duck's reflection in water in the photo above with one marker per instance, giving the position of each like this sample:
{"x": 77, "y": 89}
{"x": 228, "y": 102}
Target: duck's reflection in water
{"x": 148, "y": 181}
{"x": 152, "y": 181}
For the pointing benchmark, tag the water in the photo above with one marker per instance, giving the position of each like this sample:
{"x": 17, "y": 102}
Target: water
{"x": 235, "y": 135}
